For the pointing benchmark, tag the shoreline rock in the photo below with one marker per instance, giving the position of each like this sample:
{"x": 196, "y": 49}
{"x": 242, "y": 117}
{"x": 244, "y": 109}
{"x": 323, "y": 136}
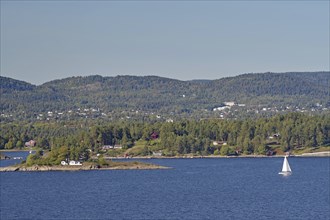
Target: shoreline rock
{"x": 315, "y": 154}
{"x": 37, "y": 168}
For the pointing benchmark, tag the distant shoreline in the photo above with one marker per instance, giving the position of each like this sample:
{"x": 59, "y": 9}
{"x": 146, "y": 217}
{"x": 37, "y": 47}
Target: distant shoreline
{"x": 42, "y": 168}
{"x": 15, "y": 150}
{"x": 314, "y": 154}
{"x": 317, "y": 154}
{"x": 142, "y": 166}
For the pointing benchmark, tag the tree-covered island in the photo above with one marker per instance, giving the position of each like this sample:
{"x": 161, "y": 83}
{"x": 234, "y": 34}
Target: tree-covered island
{"x": 59, "y": 160}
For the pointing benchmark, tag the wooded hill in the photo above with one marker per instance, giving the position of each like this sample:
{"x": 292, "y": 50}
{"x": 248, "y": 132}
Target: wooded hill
{"x": 163, "y": 95}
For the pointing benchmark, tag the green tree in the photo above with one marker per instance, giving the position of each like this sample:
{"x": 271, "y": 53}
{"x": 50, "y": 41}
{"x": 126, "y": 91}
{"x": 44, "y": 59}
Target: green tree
{"x": 224, "y": 151}
{"x": 9, "y": 144}
{"x": 259, "y": 145}
{"x": 101, "y": 161}
{"x": 19, "y": 144}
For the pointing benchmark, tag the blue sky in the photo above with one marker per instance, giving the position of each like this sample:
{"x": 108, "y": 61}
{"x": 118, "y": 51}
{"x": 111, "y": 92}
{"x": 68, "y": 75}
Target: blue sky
{"x": 46, "y": 40}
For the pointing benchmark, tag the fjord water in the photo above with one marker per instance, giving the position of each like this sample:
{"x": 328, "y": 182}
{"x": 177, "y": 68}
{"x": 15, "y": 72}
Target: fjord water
{"x": 234, "y": 188}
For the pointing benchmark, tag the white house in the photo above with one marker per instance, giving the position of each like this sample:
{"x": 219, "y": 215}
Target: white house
{"x": 157, "y": 154}
{"x": 107, "y": 147}
{"x": 74, "y": 163}
{"x": 118, "y": 146}
{"x": 229, "y": 103}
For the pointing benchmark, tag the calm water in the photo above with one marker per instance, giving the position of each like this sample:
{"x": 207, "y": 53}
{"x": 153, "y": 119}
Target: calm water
{"x": 23, "y": 154}
{"x": 239, "y": 188}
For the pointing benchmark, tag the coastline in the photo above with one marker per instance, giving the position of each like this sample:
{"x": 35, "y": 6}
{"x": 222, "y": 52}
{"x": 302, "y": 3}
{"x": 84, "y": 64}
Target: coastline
{"x": 134, "y": 165}
{"x": 316, "y": 154}
{"x": 16, "y": 150}
{"x": 139, "y": 165}
{"x": 43, "y": 168}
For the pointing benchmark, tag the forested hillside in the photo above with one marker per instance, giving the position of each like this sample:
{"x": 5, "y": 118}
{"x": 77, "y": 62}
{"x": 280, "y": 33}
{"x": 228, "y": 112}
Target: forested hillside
{"x": 9, "y": 85}
{"x": 152, "y": 94}
{"x": 275, "y": 86}
{"x": 278, "y": 134}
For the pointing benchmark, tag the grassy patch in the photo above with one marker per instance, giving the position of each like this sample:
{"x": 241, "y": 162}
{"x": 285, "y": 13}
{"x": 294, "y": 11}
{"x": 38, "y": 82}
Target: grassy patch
{"x": 312, "y": 150}
{"x": 144, "y": 148}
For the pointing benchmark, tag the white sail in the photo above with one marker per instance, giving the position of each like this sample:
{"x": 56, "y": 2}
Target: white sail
{"x": 286, "y": 167}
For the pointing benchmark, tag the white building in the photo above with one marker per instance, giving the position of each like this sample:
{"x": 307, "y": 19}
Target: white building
{"x": 74, "y": 163}
{"x": 229, "y": 103}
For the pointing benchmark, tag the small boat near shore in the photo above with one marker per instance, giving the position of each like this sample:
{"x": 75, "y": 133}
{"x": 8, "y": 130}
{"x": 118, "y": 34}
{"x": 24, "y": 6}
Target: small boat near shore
{"x": 17, "y": 158}
{"x": 286, "y": 169}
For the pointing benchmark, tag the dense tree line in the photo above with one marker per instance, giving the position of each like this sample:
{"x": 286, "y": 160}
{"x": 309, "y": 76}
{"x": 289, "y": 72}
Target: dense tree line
{"x": 76, "y": 140}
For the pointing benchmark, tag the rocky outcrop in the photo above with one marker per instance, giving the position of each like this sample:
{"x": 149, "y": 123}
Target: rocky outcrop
{"x": 25, "y": 168}
{"x": 9, "y": 169}
{"x": 317, "y": 154}
{"x": 35, "y": 168}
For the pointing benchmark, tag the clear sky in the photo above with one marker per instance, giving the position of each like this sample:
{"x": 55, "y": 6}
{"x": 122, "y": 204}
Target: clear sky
{"x": 46, "y": 40}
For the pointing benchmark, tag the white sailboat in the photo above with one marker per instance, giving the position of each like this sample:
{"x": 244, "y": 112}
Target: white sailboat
{"x": 286, "y": 170}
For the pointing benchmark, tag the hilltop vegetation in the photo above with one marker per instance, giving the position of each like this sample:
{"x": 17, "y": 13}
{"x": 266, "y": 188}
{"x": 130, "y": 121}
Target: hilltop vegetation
{"x": 133, "y": 96}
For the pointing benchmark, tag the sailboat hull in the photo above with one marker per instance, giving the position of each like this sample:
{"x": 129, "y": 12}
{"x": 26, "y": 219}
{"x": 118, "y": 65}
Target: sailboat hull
{"x": 285, "y": 173}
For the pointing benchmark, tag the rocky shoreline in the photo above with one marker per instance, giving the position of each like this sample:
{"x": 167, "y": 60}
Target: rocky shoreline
{"x": 41, "y": 168}
{"x": 136, "y": 165}
{"x": 315, "y": 154}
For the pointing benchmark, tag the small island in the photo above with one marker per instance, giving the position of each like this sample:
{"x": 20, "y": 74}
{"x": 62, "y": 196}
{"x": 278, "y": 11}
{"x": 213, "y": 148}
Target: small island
{"x": 53, "y": 162}
{"x": 86, "y": 166}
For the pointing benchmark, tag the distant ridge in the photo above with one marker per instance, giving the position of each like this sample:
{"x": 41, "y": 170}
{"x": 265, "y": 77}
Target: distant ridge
{"x": 9, "y": 85}
{"x": 200, "y": 80}
{"x": 164, "y": 95}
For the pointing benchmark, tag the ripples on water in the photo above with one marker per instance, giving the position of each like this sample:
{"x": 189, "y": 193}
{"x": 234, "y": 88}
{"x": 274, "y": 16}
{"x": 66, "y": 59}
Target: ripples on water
{"x": 238, "y": 188}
